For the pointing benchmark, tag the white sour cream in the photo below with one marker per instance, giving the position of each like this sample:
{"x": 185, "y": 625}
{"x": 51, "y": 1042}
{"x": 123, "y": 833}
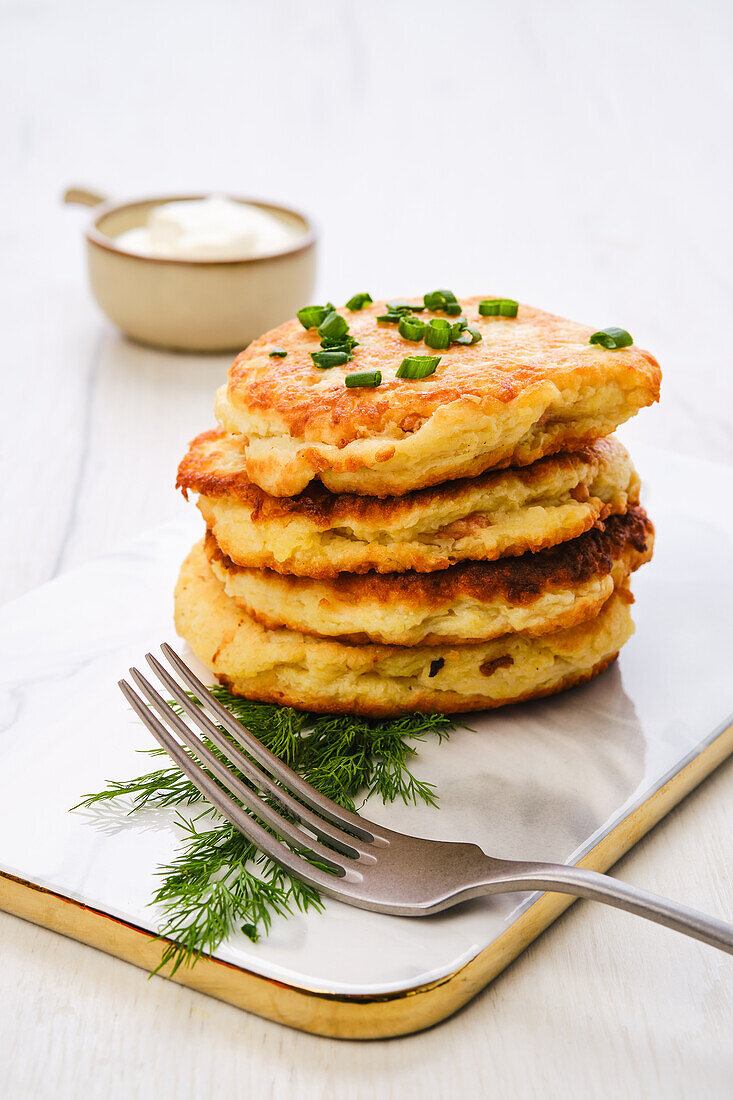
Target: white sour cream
{"x": 215, "y": 228}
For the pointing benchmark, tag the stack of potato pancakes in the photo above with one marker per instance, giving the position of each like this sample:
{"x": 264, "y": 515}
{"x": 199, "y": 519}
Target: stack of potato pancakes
{"x": 450, "y": 535}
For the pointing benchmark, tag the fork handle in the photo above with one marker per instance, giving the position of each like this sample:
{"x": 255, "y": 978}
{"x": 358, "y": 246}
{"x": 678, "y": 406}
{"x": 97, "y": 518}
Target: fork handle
{"x": 560, "y": 879}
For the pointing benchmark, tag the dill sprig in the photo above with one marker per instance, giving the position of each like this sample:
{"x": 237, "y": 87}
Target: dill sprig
{"x": 219, "y": 882}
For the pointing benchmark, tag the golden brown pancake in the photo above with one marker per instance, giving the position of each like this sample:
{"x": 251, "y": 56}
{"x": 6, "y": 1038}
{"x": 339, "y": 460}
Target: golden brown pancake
{"x": 284, "y": 666}
{"x": 321, "y": 534}
{"x": 531, "y": 387}
{"x": 533, "y": 594}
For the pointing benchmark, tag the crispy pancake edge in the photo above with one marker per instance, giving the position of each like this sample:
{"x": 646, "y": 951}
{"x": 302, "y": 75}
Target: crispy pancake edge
{"x": 518, "y": 580}
{"x": 376, "y": 680}
{"x": 533, "y": 386}
{"x": 445, "y": 702}
{"x": 325, "y": 509}
{"x": 319, "y": 534}
{"x": 479, "y": 603}
{"x": 514, "y": 356}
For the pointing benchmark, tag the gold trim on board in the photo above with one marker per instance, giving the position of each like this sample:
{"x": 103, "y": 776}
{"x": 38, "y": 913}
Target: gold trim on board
{"x": 343, "y": 1016}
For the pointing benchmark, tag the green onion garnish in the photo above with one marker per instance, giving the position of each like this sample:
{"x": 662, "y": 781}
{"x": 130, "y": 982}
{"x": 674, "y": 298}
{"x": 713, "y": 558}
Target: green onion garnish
{"x": 498, "y": 307}
{"x": 442, "y": 301}
{"x": 359, "y": 301}
{"x": 612, "y": 338}
{"x": 437, "y": 333}
{"x": 333, "y": 326}
{"x": 457, "y": 328}
{"x": 277, "y": 353}
{"x": 313, "y": 316}
{"x": 392, "y": 317}
{"x": 363, "y": 378}
{"x": 470, "y": 336}
{"x": 340, "y": 343}
{"x": 412, "y": 328}
{"x": 404, "y": 307}
{"x": 326, "y": 359}
{"x": 418, "y": 366}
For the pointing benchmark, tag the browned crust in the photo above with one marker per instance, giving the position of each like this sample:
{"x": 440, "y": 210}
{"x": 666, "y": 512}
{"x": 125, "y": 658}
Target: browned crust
{"x": 518, "y": 580}
{"x": 428, "y": 702}
{"x": 489, "y": 667}
{"x": 199, "y": 472}
{"x": 535, "y": 347}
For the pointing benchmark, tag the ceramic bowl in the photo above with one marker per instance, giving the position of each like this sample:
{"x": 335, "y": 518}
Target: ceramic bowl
{"x": 194, "y": 305}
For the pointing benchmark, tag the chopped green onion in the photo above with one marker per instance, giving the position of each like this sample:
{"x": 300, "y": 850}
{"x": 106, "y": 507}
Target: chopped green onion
{"x": 612, "y": 338}
{"x": 434, "y": 300}
{"x": 363, "y": 378}
{"x": 404, "y": 307}
{"x": 392, "y": 317}
{"x": 333, "y": 326}
{"x": 418, "y": 366}
{"x": 344, "y": 349}
{"x": 342, "y": 343}
{"x": 277, "y": 353}
{"x": 324, "y": 360}
{"x": 470, "y": 336}
{"x": 495, "y": 307}
{"x": 457, "y": 328}
{"x": 313, "y": 316}
{"x": 442, "y": 301}
{"x": 437, "y": 333}
{"x": 359, "y": 301}
{"x": 412, "y": 328}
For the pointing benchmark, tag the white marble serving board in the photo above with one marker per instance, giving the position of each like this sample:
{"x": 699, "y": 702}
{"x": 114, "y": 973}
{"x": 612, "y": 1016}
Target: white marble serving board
{"x": 545, "y": 780}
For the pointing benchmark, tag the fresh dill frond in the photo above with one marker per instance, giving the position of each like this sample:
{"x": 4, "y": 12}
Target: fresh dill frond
{"x": 167, "y": 787}
{"x": 219, "y": 882}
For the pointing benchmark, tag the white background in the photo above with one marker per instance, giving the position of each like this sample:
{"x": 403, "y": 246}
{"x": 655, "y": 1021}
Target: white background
{"x": 574, "y": 155}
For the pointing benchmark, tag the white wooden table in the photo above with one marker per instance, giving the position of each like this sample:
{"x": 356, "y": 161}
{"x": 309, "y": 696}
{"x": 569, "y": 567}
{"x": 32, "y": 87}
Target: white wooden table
{"x": 573, "y": 155}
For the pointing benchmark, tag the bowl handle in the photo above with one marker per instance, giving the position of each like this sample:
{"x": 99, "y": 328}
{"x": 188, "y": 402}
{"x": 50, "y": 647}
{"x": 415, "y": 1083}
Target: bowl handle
{"x": 82, "y": 197}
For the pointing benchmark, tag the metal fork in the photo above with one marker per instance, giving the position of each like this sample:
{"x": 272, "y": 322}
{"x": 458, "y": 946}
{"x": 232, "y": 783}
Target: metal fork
{"x": 360, "y": 863}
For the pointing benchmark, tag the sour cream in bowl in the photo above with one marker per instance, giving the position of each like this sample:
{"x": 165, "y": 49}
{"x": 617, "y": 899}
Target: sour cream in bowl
{"x": 214, "y": 228}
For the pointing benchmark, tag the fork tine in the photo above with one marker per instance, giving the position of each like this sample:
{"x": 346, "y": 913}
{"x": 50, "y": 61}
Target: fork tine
{"x": 250, "y": 798}
{"x": 327, "y": 832}
{"x": 250, "y": 828}
{"x": 359, "y": 826}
